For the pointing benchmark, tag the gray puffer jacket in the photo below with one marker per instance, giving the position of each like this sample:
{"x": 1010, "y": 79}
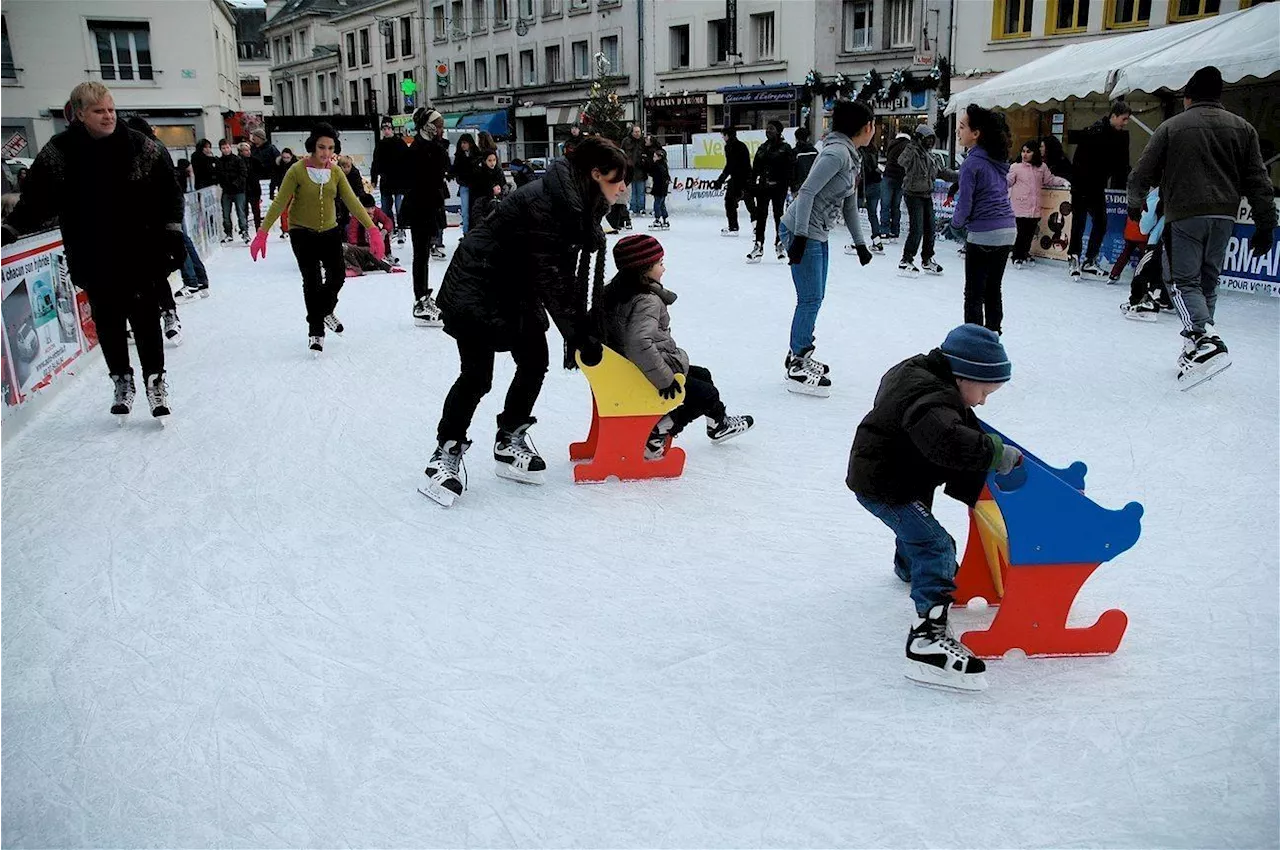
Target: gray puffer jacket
{"x": 638, "y": 326}
{"x": 921, "y": 167}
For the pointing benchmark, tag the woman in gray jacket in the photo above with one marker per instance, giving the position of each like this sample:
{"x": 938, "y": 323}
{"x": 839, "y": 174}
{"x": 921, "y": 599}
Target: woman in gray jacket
{"x": 830, "y": 188}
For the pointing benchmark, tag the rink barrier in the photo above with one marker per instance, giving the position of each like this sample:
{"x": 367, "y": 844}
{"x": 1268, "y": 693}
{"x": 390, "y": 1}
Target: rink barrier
{"x": 624, "y": 408}
{"x": 1035, "y": 538}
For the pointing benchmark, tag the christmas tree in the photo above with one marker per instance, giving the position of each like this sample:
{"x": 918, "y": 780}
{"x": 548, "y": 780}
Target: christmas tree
{"x": 603, "y": 114}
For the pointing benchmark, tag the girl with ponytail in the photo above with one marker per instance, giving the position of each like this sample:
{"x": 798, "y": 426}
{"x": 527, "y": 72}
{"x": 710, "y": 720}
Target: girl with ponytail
{"x": 529, "y": 258}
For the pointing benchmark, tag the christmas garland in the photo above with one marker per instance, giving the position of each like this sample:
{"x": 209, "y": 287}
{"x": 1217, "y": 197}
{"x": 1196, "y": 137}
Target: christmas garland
{"x": 875, "y": 89}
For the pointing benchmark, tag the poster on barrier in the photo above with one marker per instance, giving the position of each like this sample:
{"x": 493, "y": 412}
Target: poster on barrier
{"x": 41, "y": 320}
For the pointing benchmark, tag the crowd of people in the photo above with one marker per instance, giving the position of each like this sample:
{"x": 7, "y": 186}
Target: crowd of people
{"x": 536, "y": 256}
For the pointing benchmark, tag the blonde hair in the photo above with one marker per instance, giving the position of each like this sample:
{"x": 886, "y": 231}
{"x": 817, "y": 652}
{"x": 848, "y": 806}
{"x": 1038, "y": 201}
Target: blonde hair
{"x": 345, "y": 162}
{"x": 87, "y": 94}
{"x": 244, "y": 146}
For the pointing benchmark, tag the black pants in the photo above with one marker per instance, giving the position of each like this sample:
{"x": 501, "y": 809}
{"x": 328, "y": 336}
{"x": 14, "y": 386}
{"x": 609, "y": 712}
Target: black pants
{"x": 919, "y": 228}
{"x": 777, "y": 195}
{"x": 476, "y": 379}
{"x": 423, "y": 234}
{"x": 164, "y": 295}
{"x": 1093, "y": 203}
{"x": 983, "y": 272}
{"x": 111, "y": 311}
{"x": 254, "y": 202}
{"x": 1026, "y": 232}
{"x": 315, "y": 251}
{"x": 732, "y": 196}
{"x": 701, "y": 398}
{"x": 1149, "y": 276}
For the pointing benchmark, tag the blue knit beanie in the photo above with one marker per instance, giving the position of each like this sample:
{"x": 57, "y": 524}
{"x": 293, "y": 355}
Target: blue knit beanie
{"x": 976, "y": 354}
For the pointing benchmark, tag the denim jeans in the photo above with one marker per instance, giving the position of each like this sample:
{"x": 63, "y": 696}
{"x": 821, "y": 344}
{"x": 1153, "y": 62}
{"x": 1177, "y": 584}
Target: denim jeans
{"x": 464, "y": 195}
{"x": 637, "y": 196}
{"x": 391, "y": 204}
{"x": 890, "y": 207}
{"x": 660, "y": 206}
{"x": 923, "y": 551}
{"x": 919, "y": 228}
{"x": 810, "y": 279}
{"x": 194, "y": 275}
{"x": 238, "y": 201}
{"x": 873, "y": 191}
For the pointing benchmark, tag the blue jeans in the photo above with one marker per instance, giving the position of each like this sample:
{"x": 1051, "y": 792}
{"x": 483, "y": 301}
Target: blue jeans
{"x": 890, "y": 207}
{"x": 660, "y": 206}
{"x": 391, "y": 204}
{"x": 637, "y": 196}
{"x": 924, "y": 552}
{"x": 194, "y": 275}
{"x": 810, "y": 279}
{"x": 873, "y": 191}
{"x": 464, "y": 195}
{"x": 240, "y": 204}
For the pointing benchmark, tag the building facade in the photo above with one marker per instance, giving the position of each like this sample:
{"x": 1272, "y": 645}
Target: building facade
{"x": 175, "y": 64}
{"x": 303, "y": 46}
{"x": 253, "y": 52}
{"x": 381, "y": 47}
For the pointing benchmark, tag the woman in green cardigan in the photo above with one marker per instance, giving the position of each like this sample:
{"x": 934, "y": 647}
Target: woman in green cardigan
{"x": 313, "y": 186}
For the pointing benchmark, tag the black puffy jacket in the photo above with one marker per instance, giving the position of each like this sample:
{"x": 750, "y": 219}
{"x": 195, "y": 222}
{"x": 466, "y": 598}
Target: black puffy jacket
{"x": 233, "y": 173}
{"x": 774, "y": 164}
{"x": 204, "y": 169}
{"x": 918, "y": 435}
{"x": 1102, "y": 156}
{"x": 737, "y": 164}
{"x": 803, "y": 155}
{"x": 424, "y": 185}
{"x": 520, "y": 263}
{"x": 660, "y": 174}
{"x": 389, "y": 171}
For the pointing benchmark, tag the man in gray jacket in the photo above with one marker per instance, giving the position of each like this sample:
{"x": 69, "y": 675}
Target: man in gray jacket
{"x": 1203, "y": 160}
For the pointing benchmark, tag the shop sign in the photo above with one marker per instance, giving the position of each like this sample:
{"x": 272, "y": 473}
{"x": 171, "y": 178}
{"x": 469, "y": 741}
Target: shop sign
{"x": 783, "y": 95}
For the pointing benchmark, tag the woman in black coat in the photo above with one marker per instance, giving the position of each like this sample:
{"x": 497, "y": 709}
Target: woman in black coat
{"x": 530, "y": 257}
{"x": 464, "y": 159}
{"x": 486, "y": 176}
{"x": 204, "y": 165}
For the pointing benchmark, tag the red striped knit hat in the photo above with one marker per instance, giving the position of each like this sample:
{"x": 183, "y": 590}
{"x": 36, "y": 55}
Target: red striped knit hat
{"x": 637, "y": 252}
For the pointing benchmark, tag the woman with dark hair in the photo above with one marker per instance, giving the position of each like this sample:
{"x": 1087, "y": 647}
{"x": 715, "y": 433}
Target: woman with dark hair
{"x": 983, "y": 208}
{"x": 425, "y": 193}
{"x": 1055, "y": 157}
{"x": 528, "y": 258}
{"x": 204, "y": 165}
{"x": 829, "y": 190}
{"x": 283, "y": 163}
{"x": 1026, "y": 178}
{"x": 464, "y": 157}
{"x": 310, "y": 190}
{"x": 485, "y": 143}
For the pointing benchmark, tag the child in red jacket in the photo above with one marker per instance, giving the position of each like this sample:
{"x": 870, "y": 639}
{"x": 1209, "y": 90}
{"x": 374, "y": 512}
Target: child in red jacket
{"x": 365, "y": 251}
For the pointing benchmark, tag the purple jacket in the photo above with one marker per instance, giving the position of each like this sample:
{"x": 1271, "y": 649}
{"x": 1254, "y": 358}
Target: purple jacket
{"x": 982, "y": 203}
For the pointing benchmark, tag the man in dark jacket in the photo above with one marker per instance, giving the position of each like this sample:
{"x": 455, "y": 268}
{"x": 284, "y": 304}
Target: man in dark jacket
{"x": 872, "y": 186}
{"x": 424, "y": 188}
{"x": 737, "y": 170}
{"x": 233, "y": 177}
{"x": 1203, "y": 160}
{"x": 922, "y": 433}
{"x": 165, "y": 296}
{"x": 772, "y": 171}
{"x": 262, "y": 168}
{"x": 891, "y": 191}
{"x": 638, "y": 156}
{"x": 388, "y": 173}
{"x": 1101, "y": 160}
{"x": 805, "y": 154}
{"x": 120, "y": 212}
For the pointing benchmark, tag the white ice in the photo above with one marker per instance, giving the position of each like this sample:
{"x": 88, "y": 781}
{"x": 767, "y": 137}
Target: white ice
{"x": 250, "y": 630}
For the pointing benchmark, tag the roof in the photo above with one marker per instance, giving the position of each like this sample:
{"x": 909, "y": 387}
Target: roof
{"x": 249, "y": 24}
{"x": 294, "y": 9}
{"x": 1240, "y": 44}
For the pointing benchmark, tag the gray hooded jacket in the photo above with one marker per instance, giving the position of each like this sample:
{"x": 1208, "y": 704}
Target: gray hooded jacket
{"x": 831, "y": 187}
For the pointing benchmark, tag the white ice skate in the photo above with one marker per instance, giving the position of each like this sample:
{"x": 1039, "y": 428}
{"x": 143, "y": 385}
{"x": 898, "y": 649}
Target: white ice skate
{"x": 1144, "y": 311}
{"x": 516, "y": 458}
{"x": 122, "y": 400}
{"x": 444, "y": 478}
{"x": 806, "y": 377}
{"x": 1197, "y": 365}
{"x": 158, "y": 397}
{"x": 316, "y": 344}
{"x": 729, "y": 427}
{"x": 426, "y": 314}
{"x": 937, "y": 659}
{"x": 172, "y": 326}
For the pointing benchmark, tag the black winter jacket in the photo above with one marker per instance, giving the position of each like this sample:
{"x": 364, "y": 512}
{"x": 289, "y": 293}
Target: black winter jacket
{"x": 482, "y": 181}
{"x": 262, "y": 166}
{"x": 919, "y": 434}
{"x": 638, "y": 155}
{"x": 774, "y": 165}
{"x": 870, "y": 167}
{"x": 1101, "y": 157}
{"x": 520, "y": 263}
{"x": 463, "y": 162}
{"x": 804, "y": 154}
{"x": 424, "y": 187}
{"x": 233, "y": 173}
{"x": 278, "y": 171}
{"x": 660, "y": 174}
{"x": 204, "y": 170}
{"x": 113, "y": 197}
{"x": 737, "y": 164}
{"x": 891, "y": 153}
{"x": 389, "y": 171}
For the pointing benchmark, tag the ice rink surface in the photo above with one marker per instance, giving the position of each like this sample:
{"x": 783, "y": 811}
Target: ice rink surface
{"x": 250, "y": 630}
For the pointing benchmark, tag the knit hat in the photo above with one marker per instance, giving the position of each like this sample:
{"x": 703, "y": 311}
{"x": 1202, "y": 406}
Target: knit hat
{"x": 1205, "y": 84}
{"x": 925, "y": 131}
{"x": 637, "y": 252}
{"x": 976, "y": 354}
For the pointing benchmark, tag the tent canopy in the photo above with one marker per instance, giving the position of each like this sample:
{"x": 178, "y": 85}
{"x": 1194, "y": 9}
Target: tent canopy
{"x": 1241, "y": 44}
{"x": 494, "y": 122}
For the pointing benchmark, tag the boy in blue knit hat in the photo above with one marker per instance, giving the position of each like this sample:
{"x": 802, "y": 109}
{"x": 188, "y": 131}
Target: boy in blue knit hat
{"x": 922, "y": 433}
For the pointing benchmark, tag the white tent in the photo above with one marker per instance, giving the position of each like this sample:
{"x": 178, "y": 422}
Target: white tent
{"x": 1241, "y": 44}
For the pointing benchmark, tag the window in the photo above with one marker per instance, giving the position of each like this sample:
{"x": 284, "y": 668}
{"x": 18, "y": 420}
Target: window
{"x": 288, "y": 48}
{"x": 609, "y": 47}
{"x": 1012, "y": 19}
{"x": 304, "y": 103}
{"x": 393, "y": 94}
{"x": 406, "y": 37}
{"x": 1067, "y": 16}
{"x": 762, "y": 36}
{"x": 268, "y": 100}
{"x": 9, "y": 71}
{"x": 280, "y": 97}
{"x": 526, "y": 10}
{"x": 902, "y": 23}
{"x": 680, "y": 46}
{"x": 290, "y": 103}
{"x": 321, "y": 93}
{"x": 302, "y": 44}
{"x": 438, "y": 30}
{"x": 478, "y": 13}
{"x": 364, "y": 47}
{"x": 528, "y": 76}
{"x": 579, "y": 5}
{"x": 504, "y": 71}
{"x": 124, "y": 50}
{"x": 554, "y": 71}
{"x": 718, "y": 42}
{"x": 351, "y": 50}
{"x": 1127, "y": 13}
{"x": 1189, "y": 10}
{"x": 581, "y": 60}
{"x": 552, "y": 8}
{"x": 335, "y": 92}
{"x": 370, "y": 102}
{"x": 354, "y": 106}
{"x": 459, "y": 77}
{"x": 388, "y": 39}
{"x": 857, "y": 25}
{"x": 482, "y": 74}
{"x": 250, "y": 87}
{"x": 457, "y": 24}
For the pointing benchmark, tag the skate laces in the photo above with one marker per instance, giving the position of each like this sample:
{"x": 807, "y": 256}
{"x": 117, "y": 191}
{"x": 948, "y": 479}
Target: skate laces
{"x": 519, "y": 443}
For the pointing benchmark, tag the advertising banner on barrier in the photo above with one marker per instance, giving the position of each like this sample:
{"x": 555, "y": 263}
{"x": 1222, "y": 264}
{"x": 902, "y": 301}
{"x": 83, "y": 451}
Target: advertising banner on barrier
{"x": 41, "y": 321}
{"x": 202, "y": 217}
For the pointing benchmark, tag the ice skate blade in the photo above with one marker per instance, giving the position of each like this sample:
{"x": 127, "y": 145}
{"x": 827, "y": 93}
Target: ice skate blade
{"x": 803, "y": 389}
{"x": 121, "y": 418}
{"x": 506, "y": 470}
{"x": 161, "y": 419}
{"x": 1197, "y": 376}
{"x": 933, "y": 677}
{"x": 174, "y": 340}
{"x": 428, "y": 323}
{"x": 1134, "y": 316}
{"x": 440, "y": 495}
{"x": 909, "y": 275}
{"x": 751, "y": 261}
{"x": 727, "y": 437}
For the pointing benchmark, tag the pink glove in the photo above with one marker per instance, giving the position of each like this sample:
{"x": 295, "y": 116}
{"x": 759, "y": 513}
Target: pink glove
{"x": 258, "y": 247}
{"x": 376, "y": 246}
